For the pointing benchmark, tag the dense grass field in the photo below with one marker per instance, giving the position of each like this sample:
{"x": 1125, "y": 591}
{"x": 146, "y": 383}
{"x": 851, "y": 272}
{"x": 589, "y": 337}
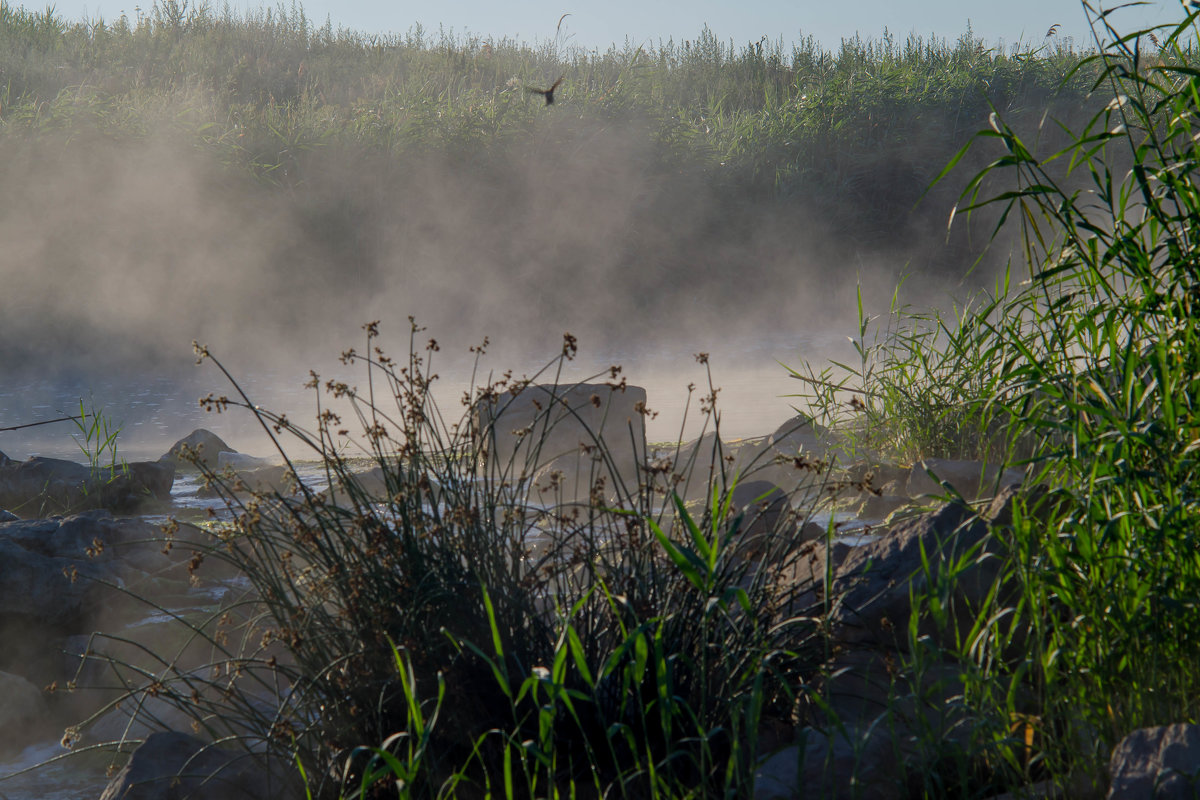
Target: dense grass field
{"x": 176, "y": 143}
{"x": 267, "y": 89}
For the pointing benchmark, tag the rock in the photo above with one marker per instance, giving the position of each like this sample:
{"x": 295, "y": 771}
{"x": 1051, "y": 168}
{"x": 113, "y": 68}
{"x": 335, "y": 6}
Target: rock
{"x": 172, "y": 766}
{"x": 877, "y": 507}
{"x": 200, "y": 447}
{"x": 54, "y": 576}
{"x": 764, "y": 511}
{"x": 833, "y": 766}
{"x": 40, "y": 487}
{"x": 135, "y": 719}
{"x": 800, "y": 434}
{"x": 7, "y": 516}
{"x": 700, "y": 462}
{"x": 48, "y": 591}
{"x": 876, "y": 581}
{"x": 157, "y": 478}
{"x": 241, "y": 462}
{"x": 265, "y": 480}
{"x": 22, "y": 706}
{"x": 1160, "y": 763}
{"x": 811, "y": 532}
{"x": 520, "y": 433}
{"x": 971, "y": 479}
{"x": 878, "y": 476}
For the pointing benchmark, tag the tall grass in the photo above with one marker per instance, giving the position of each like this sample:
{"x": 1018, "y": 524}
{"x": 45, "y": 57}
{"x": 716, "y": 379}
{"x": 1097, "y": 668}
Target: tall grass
{"x": 264, "y": 88}
{"x": 440, "y": 623}
{"x": 1085, "y": 374}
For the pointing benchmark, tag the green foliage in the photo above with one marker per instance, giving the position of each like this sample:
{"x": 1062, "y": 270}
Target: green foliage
{"x": 262, "y": 88}
{"x": 1084, "y": 374}
{"x": 97, "y": 439}
{"x": 436, "y": 618}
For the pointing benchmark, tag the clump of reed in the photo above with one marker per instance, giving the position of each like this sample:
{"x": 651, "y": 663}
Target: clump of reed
{"x": 430, "y": 624}
{"x": 1084, "y": 373}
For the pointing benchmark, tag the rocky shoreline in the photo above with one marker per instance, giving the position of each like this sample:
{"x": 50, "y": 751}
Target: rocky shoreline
{"x": 77, "y": 556}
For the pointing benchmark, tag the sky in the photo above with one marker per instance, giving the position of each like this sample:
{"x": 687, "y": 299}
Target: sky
{"x": 595, "y": 24}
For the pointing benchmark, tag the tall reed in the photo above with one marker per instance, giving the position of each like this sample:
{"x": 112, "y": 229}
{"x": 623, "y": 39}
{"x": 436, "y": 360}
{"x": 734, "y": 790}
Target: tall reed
{"x": 437, "y": 620}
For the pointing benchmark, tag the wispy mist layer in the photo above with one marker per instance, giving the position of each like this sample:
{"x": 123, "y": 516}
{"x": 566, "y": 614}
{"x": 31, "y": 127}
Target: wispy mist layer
{"x": 118, "y": 255}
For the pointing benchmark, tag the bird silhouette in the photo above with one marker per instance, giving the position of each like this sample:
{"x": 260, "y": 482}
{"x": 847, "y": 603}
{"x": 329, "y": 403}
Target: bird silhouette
{"x": 547, "y": 93}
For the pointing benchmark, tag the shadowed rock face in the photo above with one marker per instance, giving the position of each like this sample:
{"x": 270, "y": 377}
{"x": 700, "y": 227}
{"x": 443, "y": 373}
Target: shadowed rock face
{"x": 42, "y": 487}
{"x": 177, "y": 765}
{"x": 518, "y": 433}
{"x": 1161, "y": 763}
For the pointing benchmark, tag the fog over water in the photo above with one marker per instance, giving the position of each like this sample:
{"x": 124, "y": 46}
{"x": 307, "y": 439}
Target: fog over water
{"x": 118, "y": 255}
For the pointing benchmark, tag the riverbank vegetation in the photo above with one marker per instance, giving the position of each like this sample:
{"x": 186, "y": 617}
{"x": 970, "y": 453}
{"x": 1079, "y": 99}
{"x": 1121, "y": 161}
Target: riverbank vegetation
{"x": 432, "y": 647}
{"x": 865, "y": 126}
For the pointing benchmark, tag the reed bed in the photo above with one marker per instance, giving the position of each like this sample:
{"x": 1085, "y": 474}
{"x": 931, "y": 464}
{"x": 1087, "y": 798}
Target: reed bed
{"x": 869, "y": 123}
{"x": 1082, "y": 370}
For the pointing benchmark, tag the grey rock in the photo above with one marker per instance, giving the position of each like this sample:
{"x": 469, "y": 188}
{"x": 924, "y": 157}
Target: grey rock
{"x": 241, "y": 461}
{"x": 41, "y": 487}
{"x": 876, "y": 508}
{"x": 199, "y": 448}
{"x": 765, "y": 515}
{"x": 875, "y": 582}
{"x": 47, "y": 591}
{"x": 22, "y": 706}
{"x": 833, "y": 766}
{"x": 1160, "y": 763}
{"x": 517, "y": 434}
{"x": 971, "y": 479}
{"x": 800, "y": 434}
{"x": 174, "y": 766}
{"x": 264, "y": 480}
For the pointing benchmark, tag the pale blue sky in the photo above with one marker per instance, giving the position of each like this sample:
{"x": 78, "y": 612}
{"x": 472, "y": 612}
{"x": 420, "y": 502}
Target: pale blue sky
{"x": 595, "y": 24}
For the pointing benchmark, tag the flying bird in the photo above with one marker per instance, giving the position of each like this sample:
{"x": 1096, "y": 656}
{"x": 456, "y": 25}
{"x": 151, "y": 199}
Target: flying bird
{"x": 547, "y": 93}
{"x": 1053, "y": 30}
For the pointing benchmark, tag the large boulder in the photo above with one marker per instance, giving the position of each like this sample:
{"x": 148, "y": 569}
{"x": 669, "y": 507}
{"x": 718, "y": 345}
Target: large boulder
{"x": 1160, "y": 763}
{"x": 875, "y": 582}
{"x": 57, "y": 577}
{"x": 518, "y": 433}
{"x": 49, "y": 592}
{"x": 41, "y": 487}
{"x": 766, "y": 517}
{"x": 970, "y": 479}
{"x": 847, "y": 764}
{"x": 120, "y": 544}
{"x": 199, "y": 448}
{"x": 174, "y": 766}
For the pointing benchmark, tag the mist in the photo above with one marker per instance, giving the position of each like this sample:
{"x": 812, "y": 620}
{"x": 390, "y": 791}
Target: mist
{"x": 119, "y": 254}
